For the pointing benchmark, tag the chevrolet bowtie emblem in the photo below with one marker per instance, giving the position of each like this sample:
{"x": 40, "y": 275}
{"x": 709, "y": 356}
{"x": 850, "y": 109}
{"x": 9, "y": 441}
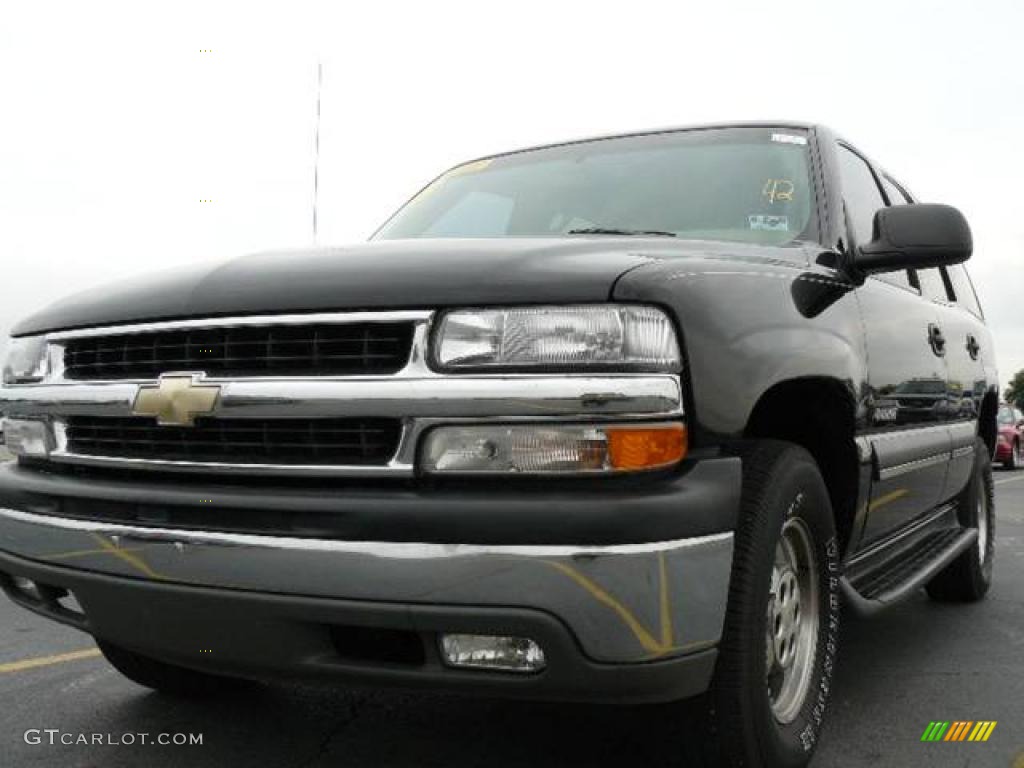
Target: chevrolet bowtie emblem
{"x": 176, "y": 400}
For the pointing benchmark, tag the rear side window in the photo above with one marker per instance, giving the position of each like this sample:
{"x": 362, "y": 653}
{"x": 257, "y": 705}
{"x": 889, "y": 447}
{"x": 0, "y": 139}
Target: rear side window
{"x": 964, "y": 290}
{"x": 860, "y": 193}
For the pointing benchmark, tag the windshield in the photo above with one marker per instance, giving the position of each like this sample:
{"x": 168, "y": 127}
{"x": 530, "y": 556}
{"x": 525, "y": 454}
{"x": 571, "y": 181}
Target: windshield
{"x": 1005, "y": 415}
{"x": 739, "y": 184}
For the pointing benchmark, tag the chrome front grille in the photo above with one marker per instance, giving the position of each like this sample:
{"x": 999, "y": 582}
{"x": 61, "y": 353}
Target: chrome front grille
{"x": 302, "y": 442}
{"x": 341, "y": 394}
{"x": 318, "y": 349}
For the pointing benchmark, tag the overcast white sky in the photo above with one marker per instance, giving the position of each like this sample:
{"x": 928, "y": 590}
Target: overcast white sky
{"x": 114, "y": 125}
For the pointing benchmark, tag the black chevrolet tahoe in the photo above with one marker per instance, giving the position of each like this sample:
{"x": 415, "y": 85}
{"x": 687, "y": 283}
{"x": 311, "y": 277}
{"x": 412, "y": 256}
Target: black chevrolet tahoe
{"x": 626, "y": 419}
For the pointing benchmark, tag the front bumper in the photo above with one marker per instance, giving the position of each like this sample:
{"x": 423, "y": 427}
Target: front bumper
{"x": 263, "y": 635}
{"x": 1002, "y": 451}
{"x": 618, "y": 621}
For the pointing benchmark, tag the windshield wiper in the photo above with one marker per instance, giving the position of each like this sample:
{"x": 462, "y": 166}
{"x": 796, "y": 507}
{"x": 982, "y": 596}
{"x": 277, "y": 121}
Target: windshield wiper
{"x": 613, "y": 231}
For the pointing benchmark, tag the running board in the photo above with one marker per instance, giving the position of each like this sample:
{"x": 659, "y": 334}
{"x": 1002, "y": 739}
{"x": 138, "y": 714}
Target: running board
{"x": 899, "y": 578}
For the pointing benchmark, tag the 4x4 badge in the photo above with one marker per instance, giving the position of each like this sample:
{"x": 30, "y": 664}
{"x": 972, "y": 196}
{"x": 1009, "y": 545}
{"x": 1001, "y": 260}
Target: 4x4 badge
{"x": 176, "y": 400}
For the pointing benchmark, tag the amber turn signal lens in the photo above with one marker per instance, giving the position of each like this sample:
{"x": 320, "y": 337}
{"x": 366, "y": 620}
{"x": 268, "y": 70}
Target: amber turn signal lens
{"x": 646, "y": 448}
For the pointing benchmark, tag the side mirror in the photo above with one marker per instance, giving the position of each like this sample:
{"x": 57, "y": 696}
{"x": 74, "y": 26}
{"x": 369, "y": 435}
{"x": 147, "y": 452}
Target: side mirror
{"x": 915, "y": 237}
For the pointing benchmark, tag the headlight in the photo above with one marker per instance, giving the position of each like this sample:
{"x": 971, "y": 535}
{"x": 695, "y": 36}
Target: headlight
{"x": 26, "y": 360}
{"x": 568, "y": 338}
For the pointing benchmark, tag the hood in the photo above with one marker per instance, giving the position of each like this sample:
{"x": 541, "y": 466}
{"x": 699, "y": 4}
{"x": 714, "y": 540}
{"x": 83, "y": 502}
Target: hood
{"x": 394, "y": 274}
{"x": 391, "y": 274}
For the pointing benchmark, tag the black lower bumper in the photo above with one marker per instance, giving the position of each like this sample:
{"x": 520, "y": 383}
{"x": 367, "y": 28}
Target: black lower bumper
{"x": 700, "y": 498}
{"x": 258, "y": 635}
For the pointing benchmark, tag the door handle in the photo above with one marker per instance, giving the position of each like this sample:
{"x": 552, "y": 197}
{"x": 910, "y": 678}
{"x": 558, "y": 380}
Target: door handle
{"x": 973, "y": 347}
{"x": 936, "y": 339}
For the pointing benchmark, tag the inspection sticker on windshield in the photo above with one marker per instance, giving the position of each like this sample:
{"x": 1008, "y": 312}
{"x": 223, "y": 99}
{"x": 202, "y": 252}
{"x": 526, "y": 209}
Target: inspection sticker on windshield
{"x": 789, "y": 138}
{"x": 769, "y": 223}
{"x": 470, "y": 167}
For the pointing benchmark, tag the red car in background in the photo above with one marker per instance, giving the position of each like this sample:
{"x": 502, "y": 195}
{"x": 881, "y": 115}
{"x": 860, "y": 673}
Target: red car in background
{"x": 1010, "y": 445}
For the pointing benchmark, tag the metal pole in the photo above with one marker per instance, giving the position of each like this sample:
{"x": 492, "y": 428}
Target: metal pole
{"x": 316, "y": 148}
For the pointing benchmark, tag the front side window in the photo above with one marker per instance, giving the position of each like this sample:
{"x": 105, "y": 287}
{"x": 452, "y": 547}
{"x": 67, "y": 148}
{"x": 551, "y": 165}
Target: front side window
{"x": 860, "y": 193}
{"x": 933, "y": 285}
{"x": 901, "y": 277}
{"x": 896, "y": 195}
{"x": 734, "y": 184}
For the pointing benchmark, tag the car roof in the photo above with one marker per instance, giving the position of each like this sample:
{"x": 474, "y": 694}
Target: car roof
{"x": 792, "y": 124}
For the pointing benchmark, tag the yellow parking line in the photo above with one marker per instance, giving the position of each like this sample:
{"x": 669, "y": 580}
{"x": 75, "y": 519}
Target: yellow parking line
{"x": 49, "y": 661}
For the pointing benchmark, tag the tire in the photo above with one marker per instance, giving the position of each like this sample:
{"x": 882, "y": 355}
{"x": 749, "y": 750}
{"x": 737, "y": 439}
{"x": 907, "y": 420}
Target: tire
{"x": 968, "y": 578}
{"x": 167, "y": 678}
{"x": 757, "y": 717}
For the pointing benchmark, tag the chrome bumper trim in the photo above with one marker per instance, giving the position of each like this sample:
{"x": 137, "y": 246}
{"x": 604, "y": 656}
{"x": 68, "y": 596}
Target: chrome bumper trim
{"x": 625, "y": 603}
{"x": 388, "y": 549}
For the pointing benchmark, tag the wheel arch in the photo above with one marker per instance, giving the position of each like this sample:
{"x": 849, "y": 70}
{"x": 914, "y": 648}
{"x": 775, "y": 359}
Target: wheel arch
{"x": 988, "y": 429}
{"x": 817, "y": 413}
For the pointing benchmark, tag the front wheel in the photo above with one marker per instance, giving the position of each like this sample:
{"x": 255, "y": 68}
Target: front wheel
{"x": 778, "y": 650}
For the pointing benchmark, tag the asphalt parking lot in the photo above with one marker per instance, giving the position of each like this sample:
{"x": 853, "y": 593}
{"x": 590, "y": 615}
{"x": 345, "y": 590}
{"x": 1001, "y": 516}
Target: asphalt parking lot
{"x": 916, "y": 663}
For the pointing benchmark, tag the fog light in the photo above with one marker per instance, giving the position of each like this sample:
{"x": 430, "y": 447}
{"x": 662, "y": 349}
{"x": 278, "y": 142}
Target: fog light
{"x": 27, "y": 437}
{"x": 494, "y": 652}
{"x": 557, "y": 448}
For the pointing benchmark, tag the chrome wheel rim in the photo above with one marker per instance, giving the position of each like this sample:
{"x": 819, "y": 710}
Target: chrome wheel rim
{"x": 791, "y": 636}
{"x": 982, "y": 526}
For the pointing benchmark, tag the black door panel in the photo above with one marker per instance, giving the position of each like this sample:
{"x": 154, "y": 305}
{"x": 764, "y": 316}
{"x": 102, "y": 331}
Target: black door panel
{"x": 910, "y": 474}
{"x": 908, "y": 404}
{"x": 962, "y": 437}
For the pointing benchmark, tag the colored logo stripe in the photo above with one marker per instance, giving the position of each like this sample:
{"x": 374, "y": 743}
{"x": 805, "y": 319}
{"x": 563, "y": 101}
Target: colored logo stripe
{"x": 958, "y": 730}
{"x": 982, "y": 730}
